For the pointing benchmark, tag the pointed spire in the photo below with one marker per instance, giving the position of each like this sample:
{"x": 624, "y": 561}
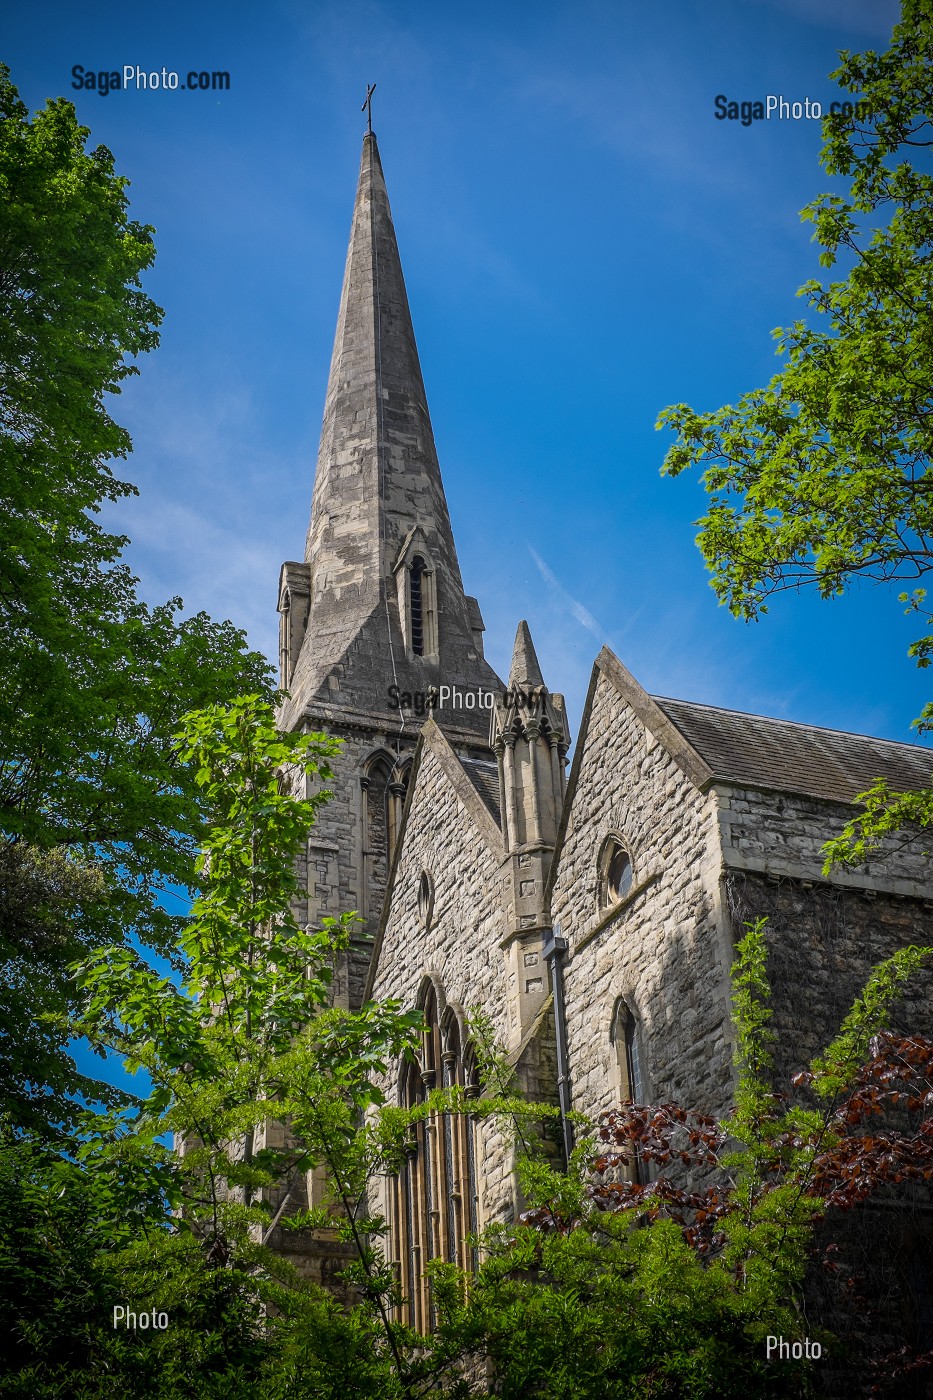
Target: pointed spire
{"x": 379, "y": 499}
{"x": 377, "y": 471}
{"x": 524, "y": 673}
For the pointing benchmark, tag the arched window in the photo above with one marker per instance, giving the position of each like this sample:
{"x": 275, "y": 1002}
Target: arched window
{"x": 426, "y": 898}
{"x": 631, "y": 1081}
{"x": 384, "y": 784}
{"x": 376, "y": 798}
{"x": 421, "y": 607}
{"x": 416, "y": 575}
{"x": 434, "y": 1199}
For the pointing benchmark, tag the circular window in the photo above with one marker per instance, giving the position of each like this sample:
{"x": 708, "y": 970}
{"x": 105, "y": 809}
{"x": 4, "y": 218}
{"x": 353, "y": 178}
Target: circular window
{"x": 425, "y": 898}
{"x": 615, "y": 868}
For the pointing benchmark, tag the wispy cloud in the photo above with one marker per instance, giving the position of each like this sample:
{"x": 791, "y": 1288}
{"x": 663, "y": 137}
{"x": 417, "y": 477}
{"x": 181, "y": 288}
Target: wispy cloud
{"x": 576, "y": 608}
{"x": 218, "y": 509}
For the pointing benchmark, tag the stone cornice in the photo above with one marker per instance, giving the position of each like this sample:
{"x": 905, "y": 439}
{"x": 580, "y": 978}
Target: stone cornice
{"x": 776, "y": 868}
{"x": 336, "y": 717}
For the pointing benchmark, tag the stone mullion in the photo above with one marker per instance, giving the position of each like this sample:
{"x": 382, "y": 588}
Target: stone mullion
{"x": 428, "y": 1078}
{"x": 451, "y": 1183}
{"x": 410, "y": 1281}
{"x": 396, "y": 799}
{"x": 472, "y": 1220}
{"x": 426, "y": 1232}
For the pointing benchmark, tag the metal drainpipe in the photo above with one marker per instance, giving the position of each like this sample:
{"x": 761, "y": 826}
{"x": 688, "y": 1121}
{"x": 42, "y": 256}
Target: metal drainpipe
{"x": 555, "y": 947}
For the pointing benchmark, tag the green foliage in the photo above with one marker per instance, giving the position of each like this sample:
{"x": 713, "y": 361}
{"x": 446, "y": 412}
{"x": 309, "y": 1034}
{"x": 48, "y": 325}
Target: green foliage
{"x": 825, "y": 477}
{"x": 97, "y": 814}
{"x": 66, "y": 1265}
{"x": 671, "y": 1288}
{"x": 834, "y": 1070}
{"x": 259, "y": 1078}
{"x": 884, "y": 814}
{"x": 751, "y": 1011}
{"x": 40, "y": 892}
{"x": 608, "y": 1309}
{"x": 54, "y": 1291}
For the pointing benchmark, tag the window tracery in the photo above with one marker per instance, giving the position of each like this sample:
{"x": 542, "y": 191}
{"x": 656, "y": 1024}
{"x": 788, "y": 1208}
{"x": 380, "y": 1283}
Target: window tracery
{"x": 434, "y": 1195}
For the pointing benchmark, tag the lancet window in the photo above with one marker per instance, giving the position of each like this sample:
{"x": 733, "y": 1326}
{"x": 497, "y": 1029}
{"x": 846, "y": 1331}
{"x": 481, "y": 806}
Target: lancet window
{"x": 416, "y": 576}
{"x": 434, "y": 1195}
{"x": 422, "y": 607}
{"x": 629, "y": 1054}
{"x": 384, "y": 783}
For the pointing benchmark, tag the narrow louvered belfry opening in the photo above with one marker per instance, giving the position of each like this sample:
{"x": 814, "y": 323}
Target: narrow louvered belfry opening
{"x": 417, "y": 605}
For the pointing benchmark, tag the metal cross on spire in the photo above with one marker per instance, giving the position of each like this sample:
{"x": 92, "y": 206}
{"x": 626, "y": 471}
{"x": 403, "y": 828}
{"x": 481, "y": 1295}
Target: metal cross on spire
{"x": 367, "y": 106}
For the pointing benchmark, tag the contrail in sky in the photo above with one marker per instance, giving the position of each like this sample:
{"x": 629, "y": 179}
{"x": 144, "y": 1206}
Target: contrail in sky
{"x": 582, "y": 614}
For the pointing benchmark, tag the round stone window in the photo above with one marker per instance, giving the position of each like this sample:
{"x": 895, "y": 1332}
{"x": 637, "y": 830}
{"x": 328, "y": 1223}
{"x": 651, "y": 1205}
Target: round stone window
{"x": 615, "y": 870}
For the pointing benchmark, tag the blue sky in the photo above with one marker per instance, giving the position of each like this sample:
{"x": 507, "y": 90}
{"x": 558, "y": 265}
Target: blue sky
{"x": 583, "y": 243}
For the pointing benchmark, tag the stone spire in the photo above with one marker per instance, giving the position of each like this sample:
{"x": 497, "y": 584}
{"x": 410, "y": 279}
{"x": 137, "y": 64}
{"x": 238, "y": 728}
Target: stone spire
{"x": 529, "y": 734}
{"x": 379, "y": 597}
{"x": 524, "y": 673}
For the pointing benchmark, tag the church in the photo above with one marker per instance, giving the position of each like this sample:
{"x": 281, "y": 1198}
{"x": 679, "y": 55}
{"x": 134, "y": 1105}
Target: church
{"x": 589, "y": 908}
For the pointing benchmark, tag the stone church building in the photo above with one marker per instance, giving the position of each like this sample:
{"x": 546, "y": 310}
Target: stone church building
{"x": 591, "y": 911}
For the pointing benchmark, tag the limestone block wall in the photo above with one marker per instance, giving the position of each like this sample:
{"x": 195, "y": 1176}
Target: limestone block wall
{"x": 459, "y": 948}
{"x": 823, "y": 941}
{"x": 345, "y": 868}
{"x": 824, "y": 935}
{"x": 664, "y": 947}
{"x": 782, "y": 834}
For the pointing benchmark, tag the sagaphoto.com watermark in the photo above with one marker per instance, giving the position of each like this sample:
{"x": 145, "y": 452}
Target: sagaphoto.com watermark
{"x": 774, "y": 106}
{"x": 132, "y": 78}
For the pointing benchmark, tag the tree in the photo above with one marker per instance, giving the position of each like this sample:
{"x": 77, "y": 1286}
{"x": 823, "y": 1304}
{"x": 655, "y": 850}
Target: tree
{"x": 258, "y": 1076}
{"x": 97, "y": 816}
{"x": 826, "y": 475}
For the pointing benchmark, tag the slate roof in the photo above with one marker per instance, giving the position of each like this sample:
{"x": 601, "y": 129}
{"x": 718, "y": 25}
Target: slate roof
{"x": 484, "y": 777}
{"x": 780, "y": 754}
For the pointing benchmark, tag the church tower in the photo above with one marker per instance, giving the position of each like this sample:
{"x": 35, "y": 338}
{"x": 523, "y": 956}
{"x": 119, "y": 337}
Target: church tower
{"x": 376, "y": 631}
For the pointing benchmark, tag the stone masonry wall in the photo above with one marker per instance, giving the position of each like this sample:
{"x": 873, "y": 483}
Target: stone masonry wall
{"x": 461, "y": 946}
{"x": 344, "y": 870}
{"x": 822, "y": 942}
{"x": 783, "y": 834}
{"x": 664, "y": 948}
